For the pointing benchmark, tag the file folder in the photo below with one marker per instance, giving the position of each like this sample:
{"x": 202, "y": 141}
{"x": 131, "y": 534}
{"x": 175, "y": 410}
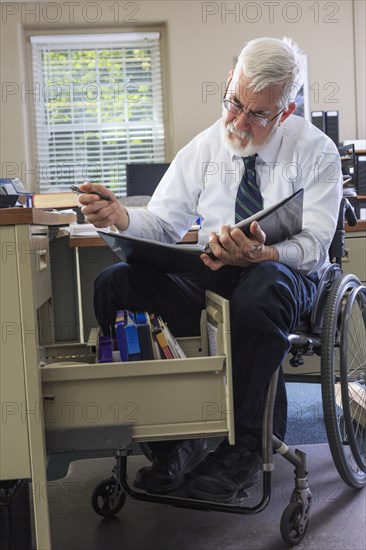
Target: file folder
{"x": 120, "y": 334}
{"x": 132, "y": 339}
{"x": 160, "y": 337}
{"x": 144, "y": 335}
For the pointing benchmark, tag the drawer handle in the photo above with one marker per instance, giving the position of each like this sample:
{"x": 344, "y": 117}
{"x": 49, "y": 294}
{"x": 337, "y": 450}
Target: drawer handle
{"x": 346, "y": 255}
{"x": 42, "y": 260}
{"x": 48, "y": 397}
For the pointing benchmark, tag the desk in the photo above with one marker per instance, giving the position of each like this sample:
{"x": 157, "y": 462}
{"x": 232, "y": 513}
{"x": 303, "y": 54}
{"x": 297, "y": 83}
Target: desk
{"x": 26, "y": 296}
{"x": 30, "y": 394}
{"x": 25, "y": 290}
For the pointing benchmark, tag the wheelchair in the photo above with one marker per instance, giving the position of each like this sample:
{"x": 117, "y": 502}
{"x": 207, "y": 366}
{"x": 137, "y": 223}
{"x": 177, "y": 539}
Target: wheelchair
{"x": 337, "y": 333}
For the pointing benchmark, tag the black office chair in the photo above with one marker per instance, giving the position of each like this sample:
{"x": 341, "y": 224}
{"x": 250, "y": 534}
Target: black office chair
{"x": 143, "y": 178}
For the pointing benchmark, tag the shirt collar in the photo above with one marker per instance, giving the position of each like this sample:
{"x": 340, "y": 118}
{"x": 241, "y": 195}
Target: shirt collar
{"x": 268, "y": 154}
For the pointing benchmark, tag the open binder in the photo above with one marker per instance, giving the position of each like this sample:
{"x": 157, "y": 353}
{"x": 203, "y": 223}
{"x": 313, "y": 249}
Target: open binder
{"x": 279, "y": 222}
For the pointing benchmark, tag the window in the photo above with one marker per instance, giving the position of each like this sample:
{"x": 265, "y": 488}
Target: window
{"x": 98, "y": 105}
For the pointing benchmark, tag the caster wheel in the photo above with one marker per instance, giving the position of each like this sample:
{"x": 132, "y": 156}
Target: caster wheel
{"x": 103, "y": 501}
{"x": 292, "y": 531}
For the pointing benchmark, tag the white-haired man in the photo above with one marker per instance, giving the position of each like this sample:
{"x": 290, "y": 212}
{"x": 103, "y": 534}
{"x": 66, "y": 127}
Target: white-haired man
{"x": 256, "y": 143}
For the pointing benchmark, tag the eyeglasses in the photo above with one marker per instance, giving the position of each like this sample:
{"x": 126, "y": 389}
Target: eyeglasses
{"x": 237, "y": 109}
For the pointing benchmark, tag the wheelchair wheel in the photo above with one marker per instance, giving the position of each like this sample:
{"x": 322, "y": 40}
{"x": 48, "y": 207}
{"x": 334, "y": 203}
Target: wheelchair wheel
{"x": 292, "y": 530}
{"x": 353, "y": 373}
{"x": 104, "y": 500}
{"x": 343, "y": 372}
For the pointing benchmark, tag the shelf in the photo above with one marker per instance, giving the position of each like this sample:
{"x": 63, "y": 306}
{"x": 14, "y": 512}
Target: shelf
{"x": 35, "y": 216}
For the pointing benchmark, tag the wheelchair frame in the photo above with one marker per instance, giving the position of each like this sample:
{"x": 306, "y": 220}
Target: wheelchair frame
{"x": 346, "y": 300}
{"x": 337, "y": 333}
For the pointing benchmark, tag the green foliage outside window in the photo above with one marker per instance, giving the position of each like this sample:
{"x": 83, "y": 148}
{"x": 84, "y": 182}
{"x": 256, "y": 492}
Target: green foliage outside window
{"x": 99, "y": 113}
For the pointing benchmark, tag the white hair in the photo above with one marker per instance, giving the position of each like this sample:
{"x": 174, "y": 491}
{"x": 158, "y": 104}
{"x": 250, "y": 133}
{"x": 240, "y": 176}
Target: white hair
{"x": 272, "y": 62}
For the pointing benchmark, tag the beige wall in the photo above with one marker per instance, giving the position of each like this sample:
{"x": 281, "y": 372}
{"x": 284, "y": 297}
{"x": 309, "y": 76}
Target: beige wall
{"x": 202, "y": 40}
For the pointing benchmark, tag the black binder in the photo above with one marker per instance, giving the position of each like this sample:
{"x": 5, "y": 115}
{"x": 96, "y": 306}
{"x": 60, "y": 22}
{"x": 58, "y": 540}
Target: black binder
{"x": 332, "y": 126}
{"x": 318, "y": 119}
{"x": 279, "y": 222}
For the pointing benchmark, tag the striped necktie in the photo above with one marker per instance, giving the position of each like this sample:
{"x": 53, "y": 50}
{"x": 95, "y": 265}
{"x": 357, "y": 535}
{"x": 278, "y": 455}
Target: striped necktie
{"x": 248, "y": 199}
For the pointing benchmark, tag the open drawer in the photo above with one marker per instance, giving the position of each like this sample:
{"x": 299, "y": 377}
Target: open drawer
{"x": 160, "y": 399}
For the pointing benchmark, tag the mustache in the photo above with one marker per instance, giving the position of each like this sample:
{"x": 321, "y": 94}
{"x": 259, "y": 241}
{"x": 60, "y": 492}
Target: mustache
{"x": 241, "y": 134}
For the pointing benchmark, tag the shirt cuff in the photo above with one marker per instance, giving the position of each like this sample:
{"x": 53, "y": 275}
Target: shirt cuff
{"x": 134, "y": 227}
{"x": 290, "y": 253}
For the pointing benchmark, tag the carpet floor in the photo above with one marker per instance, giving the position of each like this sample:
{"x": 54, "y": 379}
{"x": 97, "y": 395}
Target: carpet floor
{"x": 337, "y": 518}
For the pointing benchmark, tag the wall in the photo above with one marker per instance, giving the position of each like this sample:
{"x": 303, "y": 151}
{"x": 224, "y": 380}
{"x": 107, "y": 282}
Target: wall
{"x": 203, "y": 39}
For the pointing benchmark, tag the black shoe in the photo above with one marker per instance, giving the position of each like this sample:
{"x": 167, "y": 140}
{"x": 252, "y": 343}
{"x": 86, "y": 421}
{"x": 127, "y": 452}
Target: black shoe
{"x": 165, "y": 475}
{"x": 224, "y": 475}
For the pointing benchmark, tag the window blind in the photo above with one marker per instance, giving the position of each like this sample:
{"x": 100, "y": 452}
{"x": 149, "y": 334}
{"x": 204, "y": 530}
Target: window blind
{"x": 98, "y": 105}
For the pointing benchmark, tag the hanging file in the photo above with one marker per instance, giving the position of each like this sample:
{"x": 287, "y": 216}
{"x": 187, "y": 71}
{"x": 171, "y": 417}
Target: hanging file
{"x": 132, "y": 338}
{"x": 144, "y": 335}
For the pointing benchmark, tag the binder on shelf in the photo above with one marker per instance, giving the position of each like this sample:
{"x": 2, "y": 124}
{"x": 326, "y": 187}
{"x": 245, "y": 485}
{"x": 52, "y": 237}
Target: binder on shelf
{"x": 332, "y": 126}
{"x": 144, "y": 335}
{"x": 132, "y": 338}
{"x": 318, "y": 119}
{"x": 361, "y": 175}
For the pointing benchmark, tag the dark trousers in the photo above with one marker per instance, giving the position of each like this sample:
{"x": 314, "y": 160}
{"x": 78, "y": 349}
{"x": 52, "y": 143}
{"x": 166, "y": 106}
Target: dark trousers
{"x": 267, "y": 301}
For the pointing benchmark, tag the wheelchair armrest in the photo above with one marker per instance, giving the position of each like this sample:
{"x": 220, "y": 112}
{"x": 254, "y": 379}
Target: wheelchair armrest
{"x": 337, "y": 247}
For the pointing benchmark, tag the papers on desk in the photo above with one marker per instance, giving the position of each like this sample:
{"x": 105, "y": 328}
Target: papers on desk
{"x": 85, "y": 230}
{"x": 360, "y": 144}
{"x": 349, "y": 191}
{"x": 89, "y": 230}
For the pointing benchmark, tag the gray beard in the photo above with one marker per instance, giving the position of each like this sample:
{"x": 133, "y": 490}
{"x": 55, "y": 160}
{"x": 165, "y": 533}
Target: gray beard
{"x": 235, "y": 147}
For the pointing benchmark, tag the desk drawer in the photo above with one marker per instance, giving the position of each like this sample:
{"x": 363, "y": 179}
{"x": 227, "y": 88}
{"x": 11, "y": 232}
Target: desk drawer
{"x": 161, "y": 399}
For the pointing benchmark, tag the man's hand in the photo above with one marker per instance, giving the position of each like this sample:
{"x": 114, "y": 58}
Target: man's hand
{"x": 100, "y": 212}
{"x": 233, "y": 247}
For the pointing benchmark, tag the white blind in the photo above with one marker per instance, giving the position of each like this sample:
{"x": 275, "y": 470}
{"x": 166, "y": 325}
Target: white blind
{"x": 98, "y": 105}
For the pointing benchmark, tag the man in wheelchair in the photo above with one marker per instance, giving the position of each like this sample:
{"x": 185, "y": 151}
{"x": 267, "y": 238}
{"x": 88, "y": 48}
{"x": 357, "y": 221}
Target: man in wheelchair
{"x": 257, "y": 153}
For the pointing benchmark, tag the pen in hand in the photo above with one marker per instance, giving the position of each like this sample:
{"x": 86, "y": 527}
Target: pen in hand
{"x": 101, "y": 195}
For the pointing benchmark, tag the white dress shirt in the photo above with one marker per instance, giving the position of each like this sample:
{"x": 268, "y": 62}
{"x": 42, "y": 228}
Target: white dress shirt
{"x": 203, "y": 180}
